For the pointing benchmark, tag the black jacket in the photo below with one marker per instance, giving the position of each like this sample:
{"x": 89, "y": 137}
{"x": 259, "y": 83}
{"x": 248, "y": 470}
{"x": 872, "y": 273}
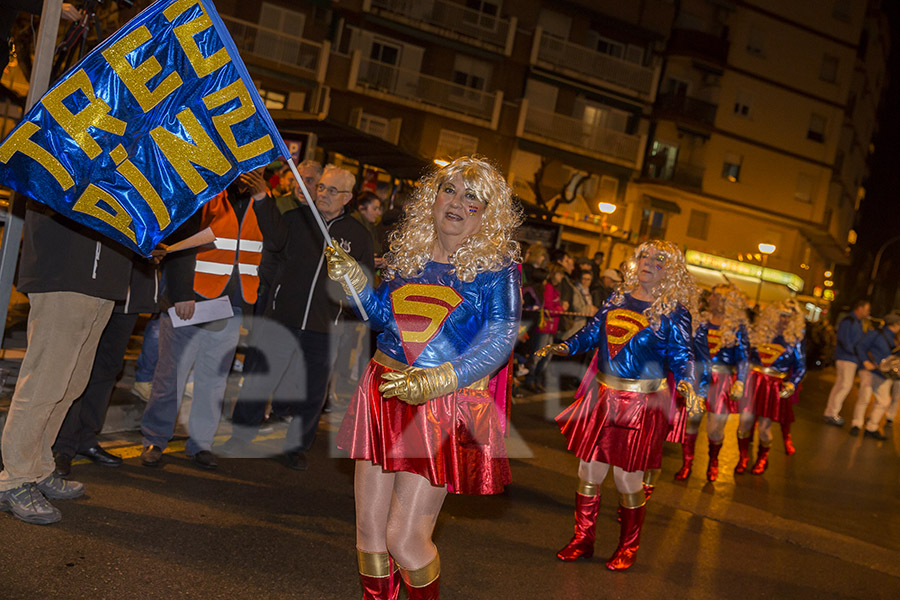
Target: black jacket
{"x": 303, "y": 297}
{"x": 59, "y": 255}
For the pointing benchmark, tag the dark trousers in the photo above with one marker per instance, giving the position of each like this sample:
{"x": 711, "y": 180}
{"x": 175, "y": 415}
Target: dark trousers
{"x": 86, "y": 415}
{"x": 291, "y": 372}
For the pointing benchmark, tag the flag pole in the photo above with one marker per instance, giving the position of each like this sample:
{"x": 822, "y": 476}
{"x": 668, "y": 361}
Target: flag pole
{"x": 326, "y": 234}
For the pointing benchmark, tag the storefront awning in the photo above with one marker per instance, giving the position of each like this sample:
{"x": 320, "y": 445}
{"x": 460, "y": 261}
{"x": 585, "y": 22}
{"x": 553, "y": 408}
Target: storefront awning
{"x": 750, "y": 286}
{"x": 665, "y": 205}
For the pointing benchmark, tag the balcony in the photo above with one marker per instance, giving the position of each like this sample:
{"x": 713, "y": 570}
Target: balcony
{"x": 682, "y": 174}
{"x": 449, "y": 20}
{"x": 678, "y": 107}
{"x": 424, "y": 92}
{"x": 269, "y": 48}
{"x": 584, "y": 64}
{"x": 689, "y": 42}
{"x": 576, "y": 136}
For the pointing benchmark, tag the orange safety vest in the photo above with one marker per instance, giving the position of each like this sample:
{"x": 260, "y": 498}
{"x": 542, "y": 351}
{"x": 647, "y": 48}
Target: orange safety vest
{"x": 235, "y": 244}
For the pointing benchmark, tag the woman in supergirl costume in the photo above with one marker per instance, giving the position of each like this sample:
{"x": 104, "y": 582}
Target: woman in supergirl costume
{"x": 429, "y": 414}
{"x": 620, "y": 417}
{"x": 778, "y": 362}
{"x": 721, "y": 352}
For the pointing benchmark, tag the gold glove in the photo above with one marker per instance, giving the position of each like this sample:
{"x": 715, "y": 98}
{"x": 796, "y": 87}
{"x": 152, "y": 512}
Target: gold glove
{"x": 787, "y": 390}
{"x": 693, "y": 403}
{"x": 555, "y": 349}
{"x": 737, "y": 390}
{"x": 339, "y": 264}
{"x": 417, "y": 386}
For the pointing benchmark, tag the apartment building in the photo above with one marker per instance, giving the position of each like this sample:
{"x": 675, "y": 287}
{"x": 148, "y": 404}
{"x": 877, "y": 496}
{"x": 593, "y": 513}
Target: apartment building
{"x": 717, "y": 124}
{"x": 761, "y": 134}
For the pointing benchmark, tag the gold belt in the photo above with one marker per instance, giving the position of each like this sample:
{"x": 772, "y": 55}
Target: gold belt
{"x": 642, "y": 386}
{"x": 723, "y": 369}
{"x": 770, "y": 372}
{"x": 395, "y": 365}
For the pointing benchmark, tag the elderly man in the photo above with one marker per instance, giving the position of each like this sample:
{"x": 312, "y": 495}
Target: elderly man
{"x": 849, "y": 332}
{"x": 609, "y": 279}
{"x": 305, "y": 303}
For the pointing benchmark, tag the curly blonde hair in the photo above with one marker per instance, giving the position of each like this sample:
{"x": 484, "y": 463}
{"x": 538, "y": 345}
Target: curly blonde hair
{"x": 677, "y": 287}
{"x": 765, "y": 329}
{"x": 735, "y": 315}
{"x": 488, "y": 249}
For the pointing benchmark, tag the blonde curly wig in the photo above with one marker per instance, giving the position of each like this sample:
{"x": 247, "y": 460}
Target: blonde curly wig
{"x": 735, "y": 314}
{"x": 765, "y": 329}
{"x": 489, "y": 249}
{"x": 677, "y": 287}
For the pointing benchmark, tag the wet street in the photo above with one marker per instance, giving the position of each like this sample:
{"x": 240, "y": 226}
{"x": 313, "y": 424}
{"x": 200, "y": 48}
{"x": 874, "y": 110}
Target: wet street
{"x": 824, "y": 523}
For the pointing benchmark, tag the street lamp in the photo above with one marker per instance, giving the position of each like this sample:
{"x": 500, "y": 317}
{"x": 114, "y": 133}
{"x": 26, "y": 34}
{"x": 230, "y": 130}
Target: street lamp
{"x": 607, "y": 208}
{"x": 766, "y": 250}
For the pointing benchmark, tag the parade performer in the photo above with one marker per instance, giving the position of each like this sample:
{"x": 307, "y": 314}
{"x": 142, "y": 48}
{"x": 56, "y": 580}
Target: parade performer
{"x": 621, "y": 413}
{"x": 721, "y": 352}
{"x": 778, "y": 364}
{"x": 429, "y": 414}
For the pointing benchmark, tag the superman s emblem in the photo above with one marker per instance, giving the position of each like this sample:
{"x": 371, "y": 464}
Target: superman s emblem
{"x": 714, "y": 339}
{"x": 769, "y": 353}
{"x": 420, "y": 310}
{"x": 621, "y": 326}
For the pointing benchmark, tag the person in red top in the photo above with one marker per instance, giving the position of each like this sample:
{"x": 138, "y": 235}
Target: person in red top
{"x": 548, "y": 325}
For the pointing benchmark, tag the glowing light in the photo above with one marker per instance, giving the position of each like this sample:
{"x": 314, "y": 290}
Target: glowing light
{"x": 441, "y": 162}
{"x": 828, "y": 283}
{"x": 828, "y": 274}
{"x": 767, "y": 248}
{"x": 607, "y": 208}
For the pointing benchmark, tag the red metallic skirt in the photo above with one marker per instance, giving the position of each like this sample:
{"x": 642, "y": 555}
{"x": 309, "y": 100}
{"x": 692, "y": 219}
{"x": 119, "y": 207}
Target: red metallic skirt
{"x": 619, "y": 428}
{"x": 454, "y": 440}
{"x": 765, "y": 392}
{"x": 718, "y": 398}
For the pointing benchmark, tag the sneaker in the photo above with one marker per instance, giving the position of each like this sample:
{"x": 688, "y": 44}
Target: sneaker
{"x": 141, "y": 389}
{"x": 854, "y": 431}
{"x": 205, "y": 460}
{"x": 837, "y": 421}
{"x": 57, "y": 488}
{"x": 152, "y": 456}
{"x": 28, "y": 504}
{"x": 875, "y": 435}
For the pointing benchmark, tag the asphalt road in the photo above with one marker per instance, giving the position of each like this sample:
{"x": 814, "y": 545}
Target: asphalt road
{"x": 824, "y": 523}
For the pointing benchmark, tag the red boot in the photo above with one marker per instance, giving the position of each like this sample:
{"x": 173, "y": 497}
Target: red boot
{"x": 587, "y": 504}
{"x": 712, "y": 471}
{"x": 788, "y": 443}
{"x": 423, "y": 584}
{"x": 650, "y": 477}
{"x": 687, "y": 452}
{"x": 762, "y": 460}
{"x": 744, "y": 450}
{"x": 630, "y": 536}
{"x": 378, "y": 575}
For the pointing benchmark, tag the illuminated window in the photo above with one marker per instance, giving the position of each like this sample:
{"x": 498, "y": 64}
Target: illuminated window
{"x": 731, "y": 167}
{"x": 272, "y": 99}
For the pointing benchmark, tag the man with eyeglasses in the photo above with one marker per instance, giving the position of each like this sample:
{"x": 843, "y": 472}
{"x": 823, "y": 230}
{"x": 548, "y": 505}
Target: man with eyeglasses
{"x": 304, "y": 307}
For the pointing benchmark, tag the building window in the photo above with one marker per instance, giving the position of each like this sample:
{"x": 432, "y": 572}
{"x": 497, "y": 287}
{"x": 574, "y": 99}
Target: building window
{"x": 272, "y": 99}
{"x": 483, "y": 13}
{"x": 453, "y": 144}
{"x": 829, "y": 69}
{"x": 634, "y": 54}
{"x": 374, "y": 125}
{"x": 742, "y": 103}
{"x": 677, "y": 87}
{"x": 756, "y": 41}
{"x": 281, "y": 48}
{"x": 698, "y": 224}
{"x": 841, "y": 10}
{"x": 471, "y": 73}
{"x": 731, "y": 167}
{"x": 805, "y": 188}
{"x": 605, "y": 45}
{"x": 653, "y": 224}
{"x": 816, "y": 130}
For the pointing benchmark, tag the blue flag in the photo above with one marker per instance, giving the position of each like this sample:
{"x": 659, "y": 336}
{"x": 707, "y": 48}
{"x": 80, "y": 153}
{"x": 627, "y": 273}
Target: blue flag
{"x": 155, "y": 121}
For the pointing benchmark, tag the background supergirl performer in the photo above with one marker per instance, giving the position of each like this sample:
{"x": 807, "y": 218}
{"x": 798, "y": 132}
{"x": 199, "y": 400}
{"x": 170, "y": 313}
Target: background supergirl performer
{"x": 722, "y": 341}
{"x": 778, "y": 364}
{"x": 621, "y": 416}
{"x": 427, "y": 417}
